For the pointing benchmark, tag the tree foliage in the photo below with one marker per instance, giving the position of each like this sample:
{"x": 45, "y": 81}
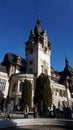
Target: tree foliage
{"x": 27, "y": 94}
{"x": 43, "y": 94}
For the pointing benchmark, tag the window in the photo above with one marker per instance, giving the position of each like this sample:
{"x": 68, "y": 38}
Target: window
{"x": 31, "y": 71}
{"x": 21, "y": 86}
{"x": 64, "y": 93}
{"x": 2, "y": 84}
{"x": 57, "y": 90}
{"x": 61, "y": 93}
{"x": 45, "y": 71}
{"x": 14, "y": 89}
{"x": 71, "y": 95}
{"x": 31, "y": 62}
{"x": 41, "y": 68}
{"x": 19, "y": 60}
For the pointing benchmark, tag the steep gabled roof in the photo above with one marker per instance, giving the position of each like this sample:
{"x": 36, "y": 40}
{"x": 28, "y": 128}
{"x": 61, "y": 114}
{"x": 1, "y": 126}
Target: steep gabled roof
{"x": 11, "y": 58}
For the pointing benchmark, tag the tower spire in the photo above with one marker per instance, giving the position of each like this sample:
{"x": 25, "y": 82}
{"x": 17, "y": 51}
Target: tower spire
{"x": 38, "y": 20}
{"x": 66, "y": 60}
{"x": 38, "y": 26}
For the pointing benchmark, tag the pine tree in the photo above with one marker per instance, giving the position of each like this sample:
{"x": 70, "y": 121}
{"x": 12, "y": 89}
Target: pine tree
{"x": 26, "y": 94}
{"x": 43, "y": 94}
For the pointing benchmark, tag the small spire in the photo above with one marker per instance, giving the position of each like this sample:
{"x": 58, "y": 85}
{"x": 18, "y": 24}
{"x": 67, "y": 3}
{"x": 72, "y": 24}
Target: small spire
{"x": 38, "y": 26}
{"x": 66, "y": 59}
{"x": 38, "y": 20}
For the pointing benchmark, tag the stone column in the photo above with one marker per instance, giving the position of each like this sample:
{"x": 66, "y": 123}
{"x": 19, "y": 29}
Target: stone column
{"x": 18, "y": 85}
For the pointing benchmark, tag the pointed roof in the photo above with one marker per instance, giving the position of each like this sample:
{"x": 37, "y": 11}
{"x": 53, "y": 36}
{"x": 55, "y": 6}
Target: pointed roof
{"x": 38, "y": 29}
{"x": 68, "y": 71}
{"x": 37, "y": 34}
{"x": 66, "y": 62}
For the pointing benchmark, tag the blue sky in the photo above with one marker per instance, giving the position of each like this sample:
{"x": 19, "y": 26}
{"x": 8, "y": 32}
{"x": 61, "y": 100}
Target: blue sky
{"x": 18, "y": 17}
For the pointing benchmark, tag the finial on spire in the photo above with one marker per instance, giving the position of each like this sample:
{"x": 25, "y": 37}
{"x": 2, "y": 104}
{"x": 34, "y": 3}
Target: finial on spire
{"x": 38, "y": 20}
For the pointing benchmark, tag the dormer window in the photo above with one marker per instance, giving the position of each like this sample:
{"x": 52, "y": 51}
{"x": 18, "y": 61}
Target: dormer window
{"x": 19, "y": 60}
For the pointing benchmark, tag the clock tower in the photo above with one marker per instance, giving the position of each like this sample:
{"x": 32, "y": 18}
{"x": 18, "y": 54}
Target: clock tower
{"x": 38, "y": 51}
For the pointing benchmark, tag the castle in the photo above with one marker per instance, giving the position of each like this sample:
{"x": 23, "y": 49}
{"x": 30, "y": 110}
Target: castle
{"x": 14, "y": 70}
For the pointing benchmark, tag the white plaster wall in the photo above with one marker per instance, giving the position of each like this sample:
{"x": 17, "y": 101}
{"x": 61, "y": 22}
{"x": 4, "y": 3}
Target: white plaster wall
{"x": 38, "y": 55}
{"x": 5, "y": 77}
{"x": 32, "y": 56}
{"x": 17, "y": 78}
{"x": 43, "y": 56}
{"x": 57, "y": 98}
